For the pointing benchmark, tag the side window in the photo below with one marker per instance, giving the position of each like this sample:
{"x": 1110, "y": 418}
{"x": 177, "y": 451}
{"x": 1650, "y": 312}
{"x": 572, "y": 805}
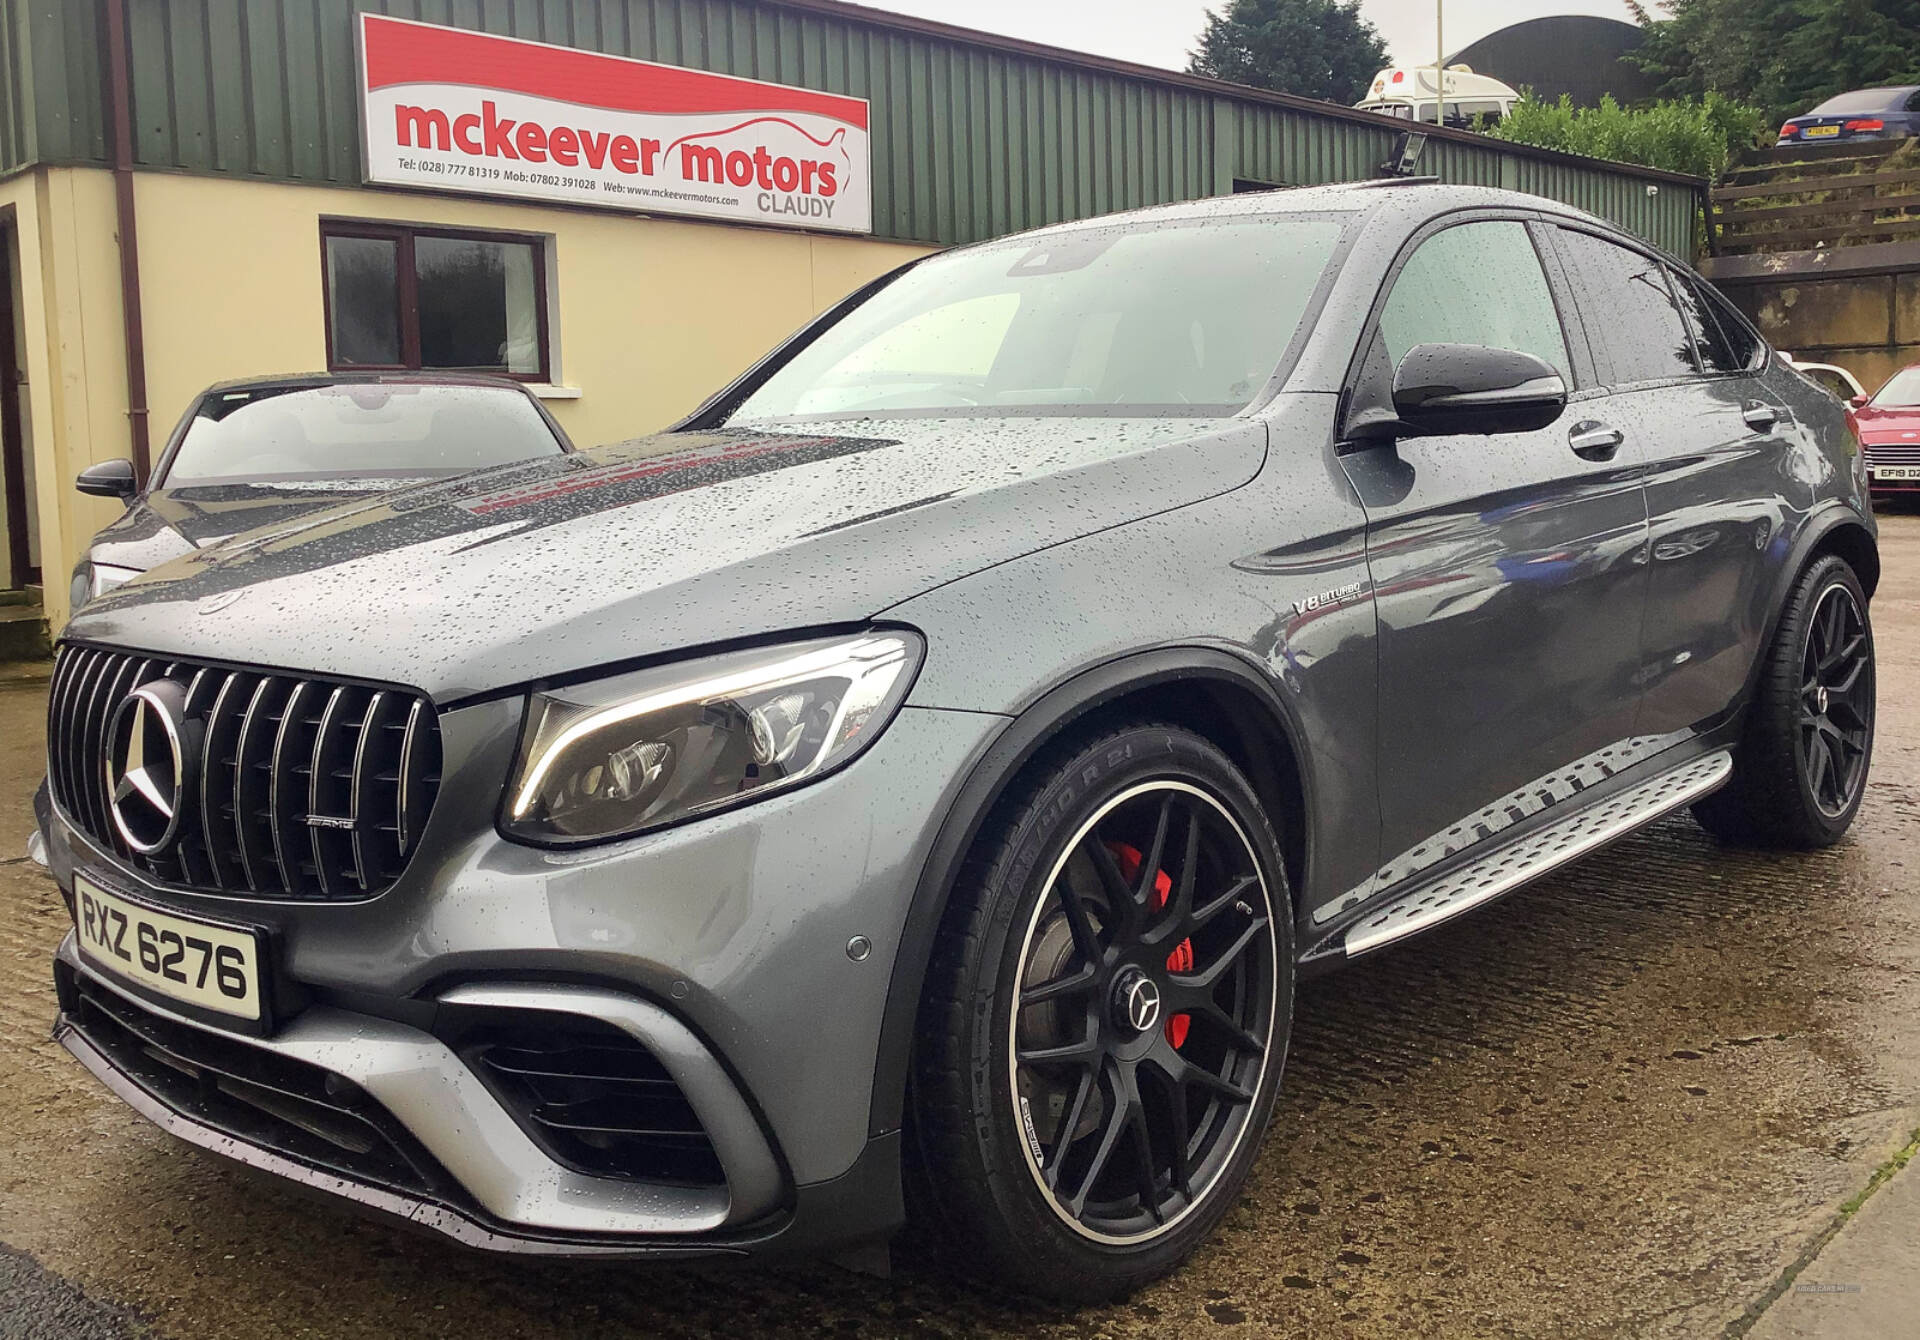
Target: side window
{"x": 1478, "y": 283}
{"x": 1726, "y": 345}
{"x": 1632, "y": 318}
{"x": 1716, "y": 355}
{"x": 1469, "y": 113}
{"x": 1747, "y": 347}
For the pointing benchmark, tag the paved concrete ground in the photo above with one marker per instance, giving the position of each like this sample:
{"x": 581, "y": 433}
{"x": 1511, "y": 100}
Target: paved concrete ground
{"x": 1863, "y": 1282}
{"x": 1629, "y": 1101}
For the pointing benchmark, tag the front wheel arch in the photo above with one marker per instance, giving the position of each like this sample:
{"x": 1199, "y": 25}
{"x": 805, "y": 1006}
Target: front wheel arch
{"x": 1209, "y": 691}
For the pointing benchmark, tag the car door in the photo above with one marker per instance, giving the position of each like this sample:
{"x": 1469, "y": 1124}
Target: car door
{"x": 1507, "y": 569}
{"x": 1684, "y": 380}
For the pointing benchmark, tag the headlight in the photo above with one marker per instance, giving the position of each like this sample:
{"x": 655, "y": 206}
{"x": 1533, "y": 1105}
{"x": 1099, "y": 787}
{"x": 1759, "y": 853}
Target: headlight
{"x": 624, "y": 755}
{"x": 106, "y": 576}
{"x": 91, "y": 580}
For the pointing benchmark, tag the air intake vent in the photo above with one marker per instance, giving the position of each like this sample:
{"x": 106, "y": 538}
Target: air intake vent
{"x": 255, "y": 1096}
{"x": 591, "y": 1095}
{"x": 287, "y": 787}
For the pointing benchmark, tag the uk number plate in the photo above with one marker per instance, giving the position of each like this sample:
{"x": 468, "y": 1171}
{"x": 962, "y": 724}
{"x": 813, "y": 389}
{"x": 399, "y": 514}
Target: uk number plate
{"x": 214, "y": 967}
{"x": 1822, "y": 132}
{"x": 1894, "y": 471}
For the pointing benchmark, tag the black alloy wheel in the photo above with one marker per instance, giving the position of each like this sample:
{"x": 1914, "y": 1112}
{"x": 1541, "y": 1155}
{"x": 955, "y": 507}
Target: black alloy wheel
{"x": 1836, "y": 701}
{"x": 1800, "y": 765}
{"x": 1146, "y": 998}
{"x": 1106, "y": 1017}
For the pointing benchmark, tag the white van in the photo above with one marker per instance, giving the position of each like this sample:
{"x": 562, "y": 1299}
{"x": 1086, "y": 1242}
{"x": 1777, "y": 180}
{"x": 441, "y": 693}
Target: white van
{"x": 1408, "y": 93}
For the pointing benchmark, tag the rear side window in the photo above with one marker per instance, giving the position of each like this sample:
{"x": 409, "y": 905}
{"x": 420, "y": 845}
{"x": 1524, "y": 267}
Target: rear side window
{"x": 1478, "y": 283}
{"x": 1726, "y": 345}
{"x": 1860, "y": 100}
{"x": 1633, "y": 320}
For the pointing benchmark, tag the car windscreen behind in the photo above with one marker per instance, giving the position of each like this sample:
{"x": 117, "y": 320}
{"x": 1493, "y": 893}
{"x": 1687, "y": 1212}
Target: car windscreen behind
{"x": 1902, "y": 390}
{"x": 361, "y": 429}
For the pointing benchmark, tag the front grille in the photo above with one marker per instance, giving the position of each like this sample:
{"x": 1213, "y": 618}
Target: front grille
{"x": 590, "y": 1094}
{"x": 258, "y": 1097}
{"x": 1888, "y": 453}
{"x": 295, "y": 788}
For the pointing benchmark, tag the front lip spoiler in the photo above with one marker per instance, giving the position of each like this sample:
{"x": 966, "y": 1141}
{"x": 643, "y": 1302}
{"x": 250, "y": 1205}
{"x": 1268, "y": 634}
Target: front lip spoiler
{"x": 412, "y": 1211}
{"x": 554, "y": 1211}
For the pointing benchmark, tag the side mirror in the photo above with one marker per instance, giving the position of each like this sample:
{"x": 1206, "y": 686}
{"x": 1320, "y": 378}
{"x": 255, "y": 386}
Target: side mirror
{"x": 1444, "y": 389}
{"x": 108, "y": 479}
{"x": 1860, "y": 401}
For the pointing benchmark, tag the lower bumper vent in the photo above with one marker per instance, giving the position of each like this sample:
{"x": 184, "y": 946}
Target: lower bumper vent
{"x": 591, "y": 1095}
{"x": 262, "y": 1099}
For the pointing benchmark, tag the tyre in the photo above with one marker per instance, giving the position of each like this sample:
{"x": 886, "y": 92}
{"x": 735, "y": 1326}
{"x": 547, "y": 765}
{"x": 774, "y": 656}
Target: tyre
{"x": 1801, "y": 768}
{"x": 1106, "y": 1018}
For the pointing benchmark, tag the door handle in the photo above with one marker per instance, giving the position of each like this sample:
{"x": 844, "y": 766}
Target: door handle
{"x": 1594, "y": 441}
{"x": 1760, "y": 417}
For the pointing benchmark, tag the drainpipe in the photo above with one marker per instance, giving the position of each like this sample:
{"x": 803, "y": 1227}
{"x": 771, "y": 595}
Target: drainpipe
{"x": 120, "y": 93}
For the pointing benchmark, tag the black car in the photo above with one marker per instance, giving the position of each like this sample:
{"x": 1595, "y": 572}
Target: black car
{"x": 1864, "y": 114}
{"x": 934, "y": 763}
{"x": 268, "y": 449}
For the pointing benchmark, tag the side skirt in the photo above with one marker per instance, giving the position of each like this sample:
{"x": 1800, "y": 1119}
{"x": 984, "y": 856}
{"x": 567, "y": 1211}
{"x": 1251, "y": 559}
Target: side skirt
{"x": 1529, "y": 855}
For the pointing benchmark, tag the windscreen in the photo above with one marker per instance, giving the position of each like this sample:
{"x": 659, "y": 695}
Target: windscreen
{"x": 1901, "y": 390}
{"x": 1187, "y": 317}
{"x": 357, "y": 429}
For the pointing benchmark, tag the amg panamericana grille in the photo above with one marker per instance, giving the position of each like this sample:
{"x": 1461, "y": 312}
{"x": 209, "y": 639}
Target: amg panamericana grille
{"x": 295, "y": 788}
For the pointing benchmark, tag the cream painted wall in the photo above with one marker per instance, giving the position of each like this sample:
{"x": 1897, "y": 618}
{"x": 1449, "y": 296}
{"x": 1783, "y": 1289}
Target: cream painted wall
{"x": 651, "y": 315}
{"x": 75, "y": 399}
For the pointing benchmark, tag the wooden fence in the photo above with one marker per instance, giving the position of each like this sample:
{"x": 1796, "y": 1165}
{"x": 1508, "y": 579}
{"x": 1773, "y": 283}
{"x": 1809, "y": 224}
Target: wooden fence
{"x": 1806, "y": 198}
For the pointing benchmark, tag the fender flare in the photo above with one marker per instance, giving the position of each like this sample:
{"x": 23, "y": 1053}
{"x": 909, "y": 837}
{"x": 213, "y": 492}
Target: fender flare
{"x": 1821, "y": 527}
{"x": 1031, "y": 730}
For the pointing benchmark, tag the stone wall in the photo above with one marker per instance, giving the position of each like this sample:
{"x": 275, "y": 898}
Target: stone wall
{"x": 1858, "y": 307}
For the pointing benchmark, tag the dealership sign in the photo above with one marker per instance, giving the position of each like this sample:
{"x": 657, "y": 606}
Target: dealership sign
{"x": 464, "y": 111}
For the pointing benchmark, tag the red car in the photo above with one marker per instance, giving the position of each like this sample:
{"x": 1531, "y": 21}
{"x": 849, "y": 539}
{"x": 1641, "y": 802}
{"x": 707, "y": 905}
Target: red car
{"x": 1889, "y": 425}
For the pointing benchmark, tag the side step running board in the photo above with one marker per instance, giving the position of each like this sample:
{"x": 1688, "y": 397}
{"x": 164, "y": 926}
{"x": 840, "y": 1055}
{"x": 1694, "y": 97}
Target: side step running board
{"x": 1505, "y": 869}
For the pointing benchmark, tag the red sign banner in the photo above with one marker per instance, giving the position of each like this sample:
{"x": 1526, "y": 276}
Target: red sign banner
{"x": 464, "y": 111}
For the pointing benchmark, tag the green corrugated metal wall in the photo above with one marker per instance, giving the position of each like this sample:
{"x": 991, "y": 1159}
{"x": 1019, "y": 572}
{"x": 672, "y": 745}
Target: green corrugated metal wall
{"x": 969, "y": 141}
{"x": 50, "y": 110}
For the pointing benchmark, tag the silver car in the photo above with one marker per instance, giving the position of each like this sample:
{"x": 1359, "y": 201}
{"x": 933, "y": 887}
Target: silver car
{"x": 933, "y": 764}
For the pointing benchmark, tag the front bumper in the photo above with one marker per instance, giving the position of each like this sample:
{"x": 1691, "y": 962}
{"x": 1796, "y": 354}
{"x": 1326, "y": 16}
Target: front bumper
{"x": 420, "y": 1138}
{"x": 721, "y": 947}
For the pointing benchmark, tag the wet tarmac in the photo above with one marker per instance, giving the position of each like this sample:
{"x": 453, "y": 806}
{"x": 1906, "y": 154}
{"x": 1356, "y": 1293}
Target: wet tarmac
{"x": 1622, "y": 1102}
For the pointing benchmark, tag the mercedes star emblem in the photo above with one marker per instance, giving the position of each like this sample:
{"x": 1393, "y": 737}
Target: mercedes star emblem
{"x": 1138, "y": 1000}
{"x": 146, "y": 762}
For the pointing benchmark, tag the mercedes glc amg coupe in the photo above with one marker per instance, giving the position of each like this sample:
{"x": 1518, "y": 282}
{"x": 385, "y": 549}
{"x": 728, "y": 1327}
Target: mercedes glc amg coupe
{"x": 917, "y": 781}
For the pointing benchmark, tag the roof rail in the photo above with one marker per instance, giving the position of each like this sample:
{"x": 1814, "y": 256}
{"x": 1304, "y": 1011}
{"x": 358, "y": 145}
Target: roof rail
{"x": 1373, "y": 183}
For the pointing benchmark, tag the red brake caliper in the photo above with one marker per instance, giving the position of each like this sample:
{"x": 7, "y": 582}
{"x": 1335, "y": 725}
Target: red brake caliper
{"x": 1181, "y": 959}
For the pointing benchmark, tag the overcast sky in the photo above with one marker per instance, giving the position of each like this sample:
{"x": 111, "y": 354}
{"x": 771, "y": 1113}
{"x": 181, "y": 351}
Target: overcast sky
{"x": 1160, "y": 32}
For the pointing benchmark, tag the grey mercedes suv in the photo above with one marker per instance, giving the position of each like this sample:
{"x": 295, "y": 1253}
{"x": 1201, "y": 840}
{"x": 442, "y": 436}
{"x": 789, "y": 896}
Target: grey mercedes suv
{"x": 921, "y": 777}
